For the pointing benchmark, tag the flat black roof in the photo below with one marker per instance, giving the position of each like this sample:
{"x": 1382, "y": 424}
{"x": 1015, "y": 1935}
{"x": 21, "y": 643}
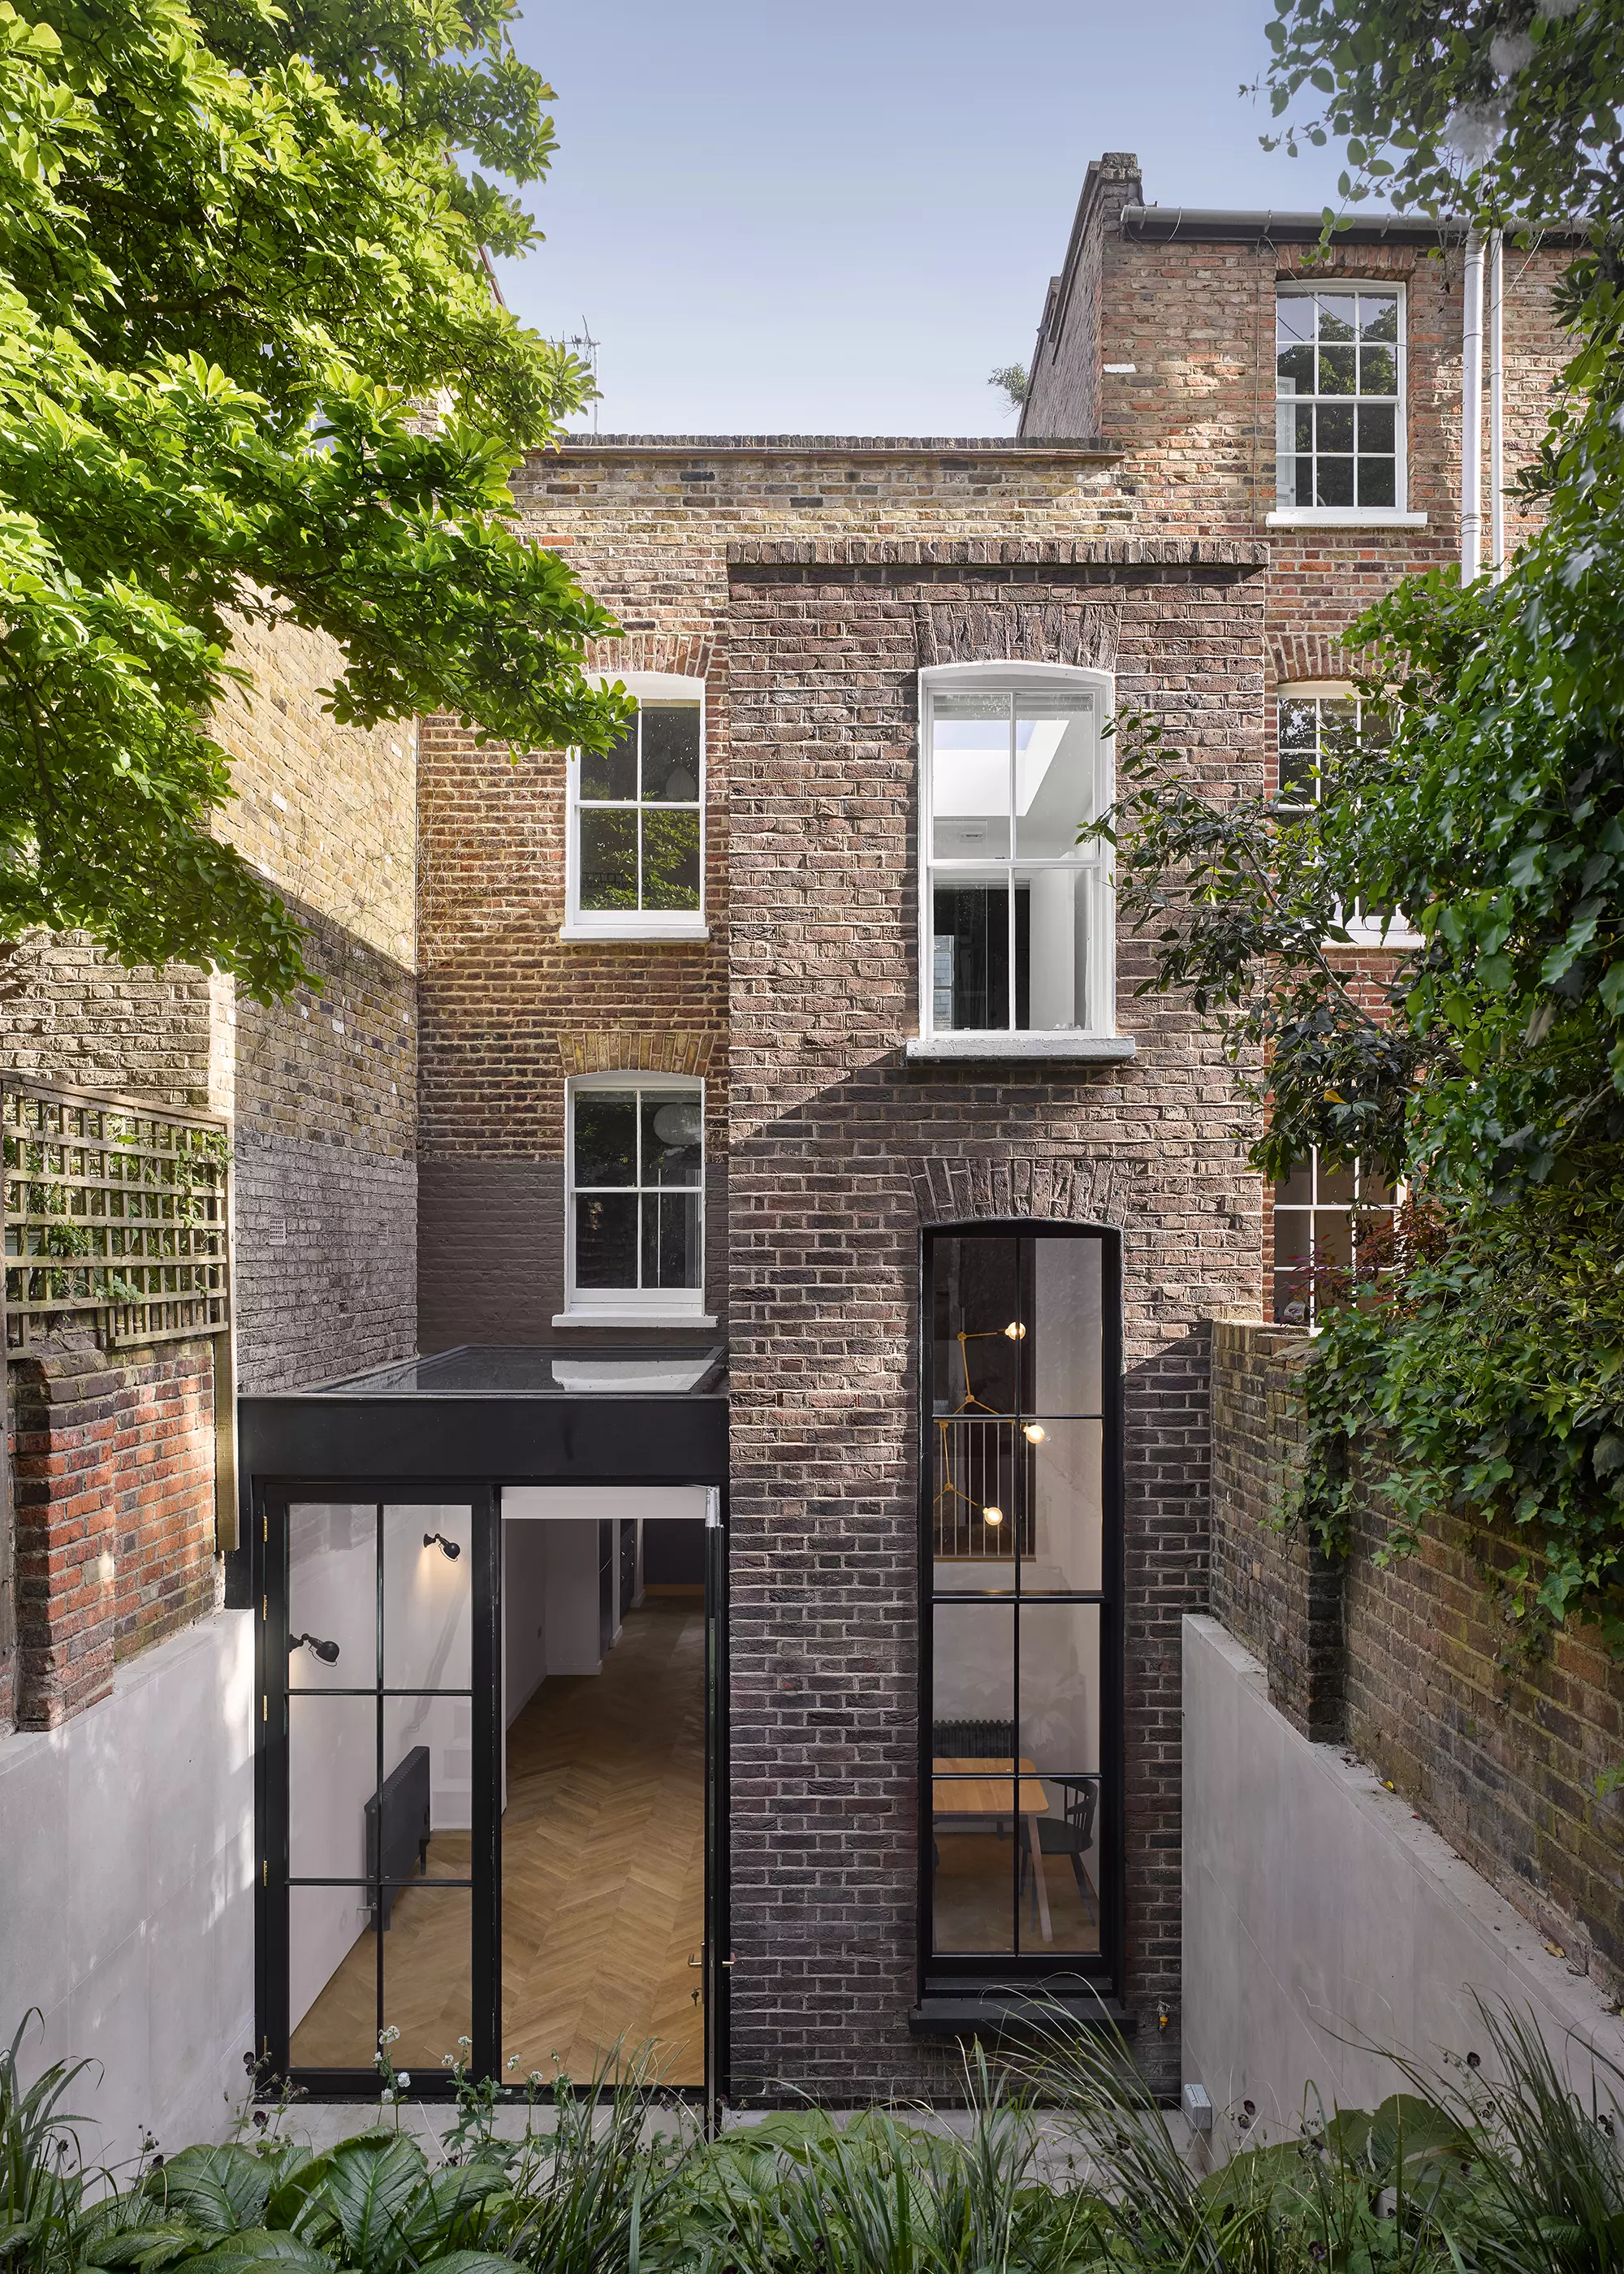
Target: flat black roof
{"x": 537, "y": 1370}
{"x": 498, "y": 1414}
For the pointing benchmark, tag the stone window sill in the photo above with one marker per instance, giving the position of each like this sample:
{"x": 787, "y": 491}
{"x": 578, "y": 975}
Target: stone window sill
{"x": 657, "y": 932}
{"x": 1091, "y": 1049}
{"x": 1340, "y": 516}
{"x": 663, "y": 1319}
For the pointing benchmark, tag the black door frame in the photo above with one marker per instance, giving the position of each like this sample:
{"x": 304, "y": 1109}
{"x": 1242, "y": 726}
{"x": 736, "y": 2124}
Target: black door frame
{"x": 268, "y": 1541}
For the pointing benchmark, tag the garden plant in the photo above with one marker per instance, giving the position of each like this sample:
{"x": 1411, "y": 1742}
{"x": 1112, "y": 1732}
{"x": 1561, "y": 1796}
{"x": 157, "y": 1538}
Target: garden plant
{"x": 1063, "y": 2162}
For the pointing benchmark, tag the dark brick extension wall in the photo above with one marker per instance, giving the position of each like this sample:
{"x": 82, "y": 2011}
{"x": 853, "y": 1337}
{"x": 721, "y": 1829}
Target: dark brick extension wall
{"x": 834, "y": 1138}
{"x": 1413, "y": 1666}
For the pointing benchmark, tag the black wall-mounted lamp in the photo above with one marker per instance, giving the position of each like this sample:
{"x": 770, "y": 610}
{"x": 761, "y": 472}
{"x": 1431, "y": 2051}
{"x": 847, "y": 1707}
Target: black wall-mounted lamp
{"x": 326, "y": 1652}
{"x": 448, "y": 1549}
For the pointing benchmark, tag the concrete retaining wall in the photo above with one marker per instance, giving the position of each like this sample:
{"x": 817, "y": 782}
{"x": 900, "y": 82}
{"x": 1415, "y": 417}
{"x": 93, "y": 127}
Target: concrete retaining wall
{"x": 126, "y": 1879}
{"x": 1322, "y": 1918}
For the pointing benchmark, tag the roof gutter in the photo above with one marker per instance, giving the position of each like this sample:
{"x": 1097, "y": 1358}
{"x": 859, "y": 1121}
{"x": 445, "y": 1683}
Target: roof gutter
{"x": 1220, "y": 225}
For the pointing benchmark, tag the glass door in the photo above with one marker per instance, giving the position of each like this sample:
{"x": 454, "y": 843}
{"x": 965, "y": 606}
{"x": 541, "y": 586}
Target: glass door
{"x": 377, "y": 1794}
{"x": 611, "y": 1811}
{"x": 491, "y": 1785}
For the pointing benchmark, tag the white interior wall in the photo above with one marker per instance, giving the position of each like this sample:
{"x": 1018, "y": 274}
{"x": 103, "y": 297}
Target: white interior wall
{"x": 524, "y": 1637}
{"x": 570, "y": 1616}
{"x": 1322, "y": 1918}
{"x": 126, "y": 1892}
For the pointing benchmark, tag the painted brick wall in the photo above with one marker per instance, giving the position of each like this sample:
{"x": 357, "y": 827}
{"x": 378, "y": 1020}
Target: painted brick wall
{"x": 1500, "y": 1753}
{"x": 113, "y": 1477}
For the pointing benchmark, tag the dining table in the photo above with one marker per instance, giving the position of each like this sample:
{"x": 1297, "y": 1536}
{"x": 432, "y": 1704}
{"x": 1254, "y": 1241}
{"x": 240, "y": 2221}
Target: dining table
{"x": 981, "y": 1787}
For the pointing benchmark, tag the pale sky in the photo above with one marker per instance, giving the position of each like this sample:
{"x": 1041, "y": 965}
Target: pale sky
{"x": 838, "y": 219}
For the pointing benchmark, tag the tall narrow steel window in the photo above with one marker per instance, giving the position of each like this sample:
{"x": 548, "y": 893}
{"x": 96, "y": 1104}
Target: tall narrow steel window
{"x": 1020, "y": 1784}
{"x": 1016, "y": 910}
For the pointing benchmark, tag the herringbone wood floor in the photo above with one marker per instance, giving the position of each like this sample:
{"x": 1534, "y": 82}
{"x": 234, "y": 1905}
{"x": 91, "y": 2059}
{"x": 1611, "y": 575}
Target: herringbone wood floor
{"x": 603, "y": 1854}
{"x": 602, "y": 1882}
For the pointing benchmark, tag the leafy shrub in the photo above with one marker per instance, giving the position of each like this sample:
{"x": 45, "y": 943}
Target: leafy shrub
{"x": 1457, "y": 2175}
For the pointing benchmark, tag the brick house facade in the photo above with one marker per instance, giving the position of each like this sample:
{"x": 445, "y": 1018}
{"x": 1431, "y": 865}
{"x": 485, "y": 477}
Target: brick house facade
{"x": 406, "y": 1171}
{"x": 1132, "y": 525}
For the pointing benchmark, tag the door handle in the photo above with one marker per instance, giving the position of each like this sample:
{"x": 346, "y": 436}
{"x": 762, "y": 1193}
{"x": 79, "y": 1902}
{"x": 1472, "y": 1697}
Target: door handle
{"x": 730, "y": 1959}
{"x": 695, "y": 1961}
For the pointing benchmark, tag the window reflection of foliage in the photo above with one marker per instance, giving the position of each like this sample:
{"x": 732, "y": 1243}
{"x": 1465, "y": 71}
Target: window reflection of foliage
{"x": 670, "y": 848}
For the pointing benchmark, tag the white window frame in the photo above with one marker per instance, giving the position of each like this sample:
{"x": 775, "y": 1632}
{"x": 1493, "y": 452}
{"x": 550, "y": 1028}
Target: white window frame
{"x": 641, "y": 924}
{"x": 1361, "y": 931}
{"x": 1098, "y": 1038}
{"x": 1313, "y": 1208}
{"x": 629, "y": 1307}
{"x": 1396, "y": 515}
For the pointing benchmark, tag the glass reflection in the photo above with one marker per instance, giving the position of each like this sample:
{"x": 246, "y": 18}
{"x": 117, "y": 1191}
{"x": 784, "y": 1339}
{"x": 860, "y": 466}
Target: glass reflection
{"x": 974, "y": 1795}
{"x": 428, "y": 1569}
{"x": 332, "y": 1595}
{"x": 1062, "y": 1280}
{"x": 1066, "y": 1554}
{"x": 332, "y": 1777}
{"x": 970, "y": 767}
{"x": 332, "y": 1978}
{"x": 428, "y": 1977}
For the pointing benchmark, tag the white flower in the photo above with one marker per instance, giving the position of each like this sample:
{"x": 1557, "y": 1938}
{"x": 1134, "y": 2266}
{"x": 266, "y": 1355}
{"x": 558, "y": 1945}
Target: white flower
{"x": 1510, "y": 51}
{"x": 1476, "y": 130}
{"x": 402, "y": 2080}
{"x": 388, "y": 2037}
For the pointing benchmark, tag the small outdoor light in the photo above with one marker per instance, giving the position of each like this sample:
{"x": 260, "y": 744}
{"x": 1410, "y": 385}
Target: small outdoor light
{"x": 1015, "y": 1332}
{"x": 1035, "y": 1433}
{"x": 993, "y": 1516}
{"x": 326, "y": 1652}
{"x": 448, "y": 1549}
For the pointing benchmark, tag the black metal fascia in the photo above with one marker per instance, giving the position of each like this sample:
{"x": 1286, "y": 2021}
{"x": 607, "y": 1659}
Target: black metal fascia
{"x": 418, "y": 1438}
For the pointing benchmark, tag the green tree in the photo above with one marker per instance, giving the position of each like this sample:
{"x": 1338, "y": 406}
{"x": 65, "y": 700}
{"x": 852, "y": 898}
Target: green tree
{"x": 237, "y": 259}
{"x": 1488, "y": 1071}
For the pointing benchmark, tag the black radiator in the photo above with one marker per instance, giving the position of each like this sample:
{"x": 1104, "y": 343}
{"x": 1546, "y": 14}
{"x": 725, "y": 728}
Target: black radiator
{"x": 405, "y": 1810}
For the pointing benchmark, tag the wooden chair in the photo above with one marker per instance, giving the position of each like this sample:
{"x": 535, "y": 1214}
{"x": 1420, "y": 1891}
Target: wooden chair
{"x": 1070, "y": 1834}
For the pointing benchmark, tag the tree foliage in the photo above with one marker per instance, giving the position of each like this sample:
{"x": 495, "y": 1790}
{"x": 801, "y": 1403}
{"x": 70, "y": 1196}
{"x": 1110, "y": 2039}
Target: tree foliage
{"x": 236, "y": 262}
{"x": 1483, "y": 1061}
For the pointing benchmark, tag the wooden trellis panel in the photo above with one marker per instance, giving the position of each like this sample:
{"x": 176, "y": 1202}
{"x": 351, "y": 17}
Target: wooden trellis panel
{"x": 116, "y": 1218}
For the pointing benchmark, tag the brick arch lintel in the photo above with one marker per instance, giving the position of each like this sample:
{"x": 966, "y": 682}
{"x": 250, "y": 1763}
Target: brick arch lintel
{"x": 687, "y": 654}
{"x": 623, "y": 1050}
{"x": 1047, "y": 1188}
{"x": 1316, "y": 655}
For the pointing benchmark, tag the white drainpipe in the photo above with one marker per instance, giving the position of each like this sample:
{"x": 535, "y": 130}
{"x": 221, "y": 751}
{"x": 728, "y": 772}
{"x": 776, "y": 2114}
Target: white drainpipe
{"x": 1471, "y": 410}
{"x": 1496, "y": 406}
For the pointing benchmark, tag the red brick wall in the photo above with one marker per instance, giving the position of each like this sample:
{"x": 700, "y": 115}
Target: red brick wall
{"x": 113, "y": 1485}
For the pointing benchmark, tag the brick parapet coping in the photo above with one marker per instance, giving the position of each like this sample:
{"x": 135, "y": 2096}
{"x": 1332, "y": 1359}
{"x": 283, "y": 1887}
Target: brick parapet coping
{"x": 866, "y": 446}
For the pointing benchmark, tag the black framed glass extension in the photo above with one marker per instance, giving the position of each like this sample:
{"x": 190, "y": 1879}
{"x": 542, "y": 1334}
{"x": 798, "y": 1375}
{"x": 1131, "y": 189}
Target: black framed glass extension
{"x": 477, "y": 1574}
{"x": 1020, "y": 1467}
